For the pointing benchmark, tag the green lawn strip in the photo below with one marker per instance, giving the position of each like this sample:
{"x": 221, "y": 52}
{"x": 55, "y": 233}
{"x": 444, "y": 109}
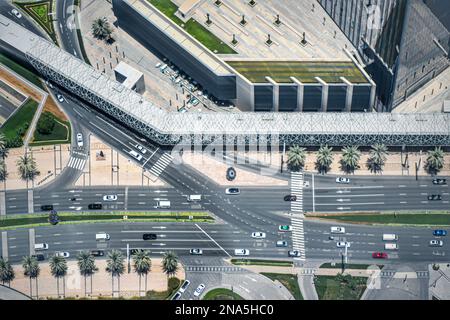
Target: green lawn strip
{"x": 430, "y": 219}
{"x": 173, "y": 285}
{"x": 222, "y": 294}
{"x": 349, "y": 266}
{"x": 290, "y": 281}
{"x": 39, "y": 11}
{"x": 256, "y": 262}
{"x": 194, "y": 28}
{"x": 20, "y": 221}
{"x": 18, "y": 119}
{"x": 59, "y": 134}
{"x": 340, "y": 287}
{"x": 27, "y": 74}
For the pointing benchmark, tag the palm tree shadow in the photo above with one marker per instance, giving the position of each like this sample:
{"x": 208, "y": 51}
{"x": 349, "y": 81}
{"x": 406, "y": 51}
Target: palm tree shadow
{"x": 347, "y": 169}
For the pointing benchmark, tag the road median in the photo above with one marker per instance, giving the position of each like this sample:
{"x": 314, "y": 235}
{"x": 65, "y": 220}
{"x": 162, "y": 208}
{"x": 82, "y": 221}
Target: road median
{"x": 41, "y": 219}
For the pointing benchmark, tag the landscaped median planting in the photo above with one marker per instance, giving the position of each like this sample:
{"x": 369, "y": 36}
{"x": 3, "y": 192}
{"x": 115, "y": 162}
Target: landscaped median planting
{"x": 256, "y": 262}
{"x": 41, "y": 219}
{"x": 411, "y": 218}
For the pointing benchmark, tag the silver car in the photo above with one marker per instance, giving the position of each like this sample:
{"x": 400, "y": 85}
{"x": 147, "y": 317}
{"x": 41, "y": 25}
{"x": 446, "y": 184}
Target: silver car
{"x": 436, "y": 243}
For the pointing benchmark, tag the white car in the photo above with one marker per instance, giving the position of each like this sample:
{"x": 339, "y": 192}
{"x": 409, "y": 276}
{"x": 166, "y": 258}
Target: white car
{"x": 294, "y": 253}
{"x": 232, "y": 191}
{"x": 110, "y": 197}
{"x": 16, "y": 13}
{"x": 158, "y": 65}
{"x": 141, "y": 149}
{"x": 337, "y": 230}
{"x": 342, "y": 244}
{"x": 436, "y": 243}
{"x": 184, "y": 286}
{"x": 342, "y": 180}
{"x": 60, "y": 98}
{"x": 241, "y": 252}
{"x": 62, "y": 254}
{"x": 199, "y": 290}
{"x": 196, "y": 252}
{"x": 258, "y": 235}
{"x": 80, "y": 140}
{"x": 306, "y": 184}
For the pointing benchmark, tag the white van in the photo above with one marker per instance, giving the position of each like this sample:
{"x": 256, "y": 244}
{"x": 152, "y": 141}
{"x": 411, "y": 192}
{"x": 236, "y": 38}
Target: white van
{"x": 102, "y": 236}
{"x": 390, "y": 237}
{"x": 40, "y": 246}
{"x": 390, "y": 246}
{"x": 135, "y": 155}
{"x": 194, "y": 197}
{"x": 241, "y": 252}
{"x": 163, "y": 204}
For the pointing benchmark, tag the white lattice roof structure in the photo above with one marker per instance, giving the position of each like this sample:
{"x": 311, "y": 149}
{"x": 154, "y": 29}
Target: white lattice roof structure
{"x": 164, "y": 127}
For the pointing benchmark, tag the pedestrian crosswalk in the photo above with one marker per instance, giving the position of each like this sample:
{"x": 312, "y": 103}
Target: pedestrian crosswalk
{"x": 298, "y": 234}
{"x": 213, "y": 269}
{"x": 387, "y": 274}
{"x": 161, "y": 164}
{"x": 307, "y": 271}
{"x": 423, "y": 274}
{"x": 76, "y": 162}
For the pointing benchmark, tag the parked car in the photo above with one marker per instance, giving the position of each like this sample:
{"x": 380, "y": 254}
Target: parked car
{"x": 439, "y": 233}
{"x": 435, "y": 197}
{"x": 149, "y": 236}
{"x": 60, "y": 98}
{"x": 342, "y": 244}
{"x": 379, "y": 255}
{"x": 342, "y": 180}
{"x": 281, "y": 243}
{"x": 196, "y": 252}
{"x": 199, "y": 290}
{"x": 176, "y": 296}
{"x": 16, "y": 13}
{"x": 290, "y": 198}
{"x": 294, "y": 253}
{"x": 110, "y": 197}
{"x": 63, "y": 254}
{"x": 285, "y": 228}
{"x": 97, "y": 253}
{"x": 158, "y": 65}
{"x": 258, "y": 235}
{"x": 95, "y": 206}
{"x": 184, "y": 286}
{"x": 436, "y": 243}
{"x": 440, "y": 181}
{"x": 232, "y": 191}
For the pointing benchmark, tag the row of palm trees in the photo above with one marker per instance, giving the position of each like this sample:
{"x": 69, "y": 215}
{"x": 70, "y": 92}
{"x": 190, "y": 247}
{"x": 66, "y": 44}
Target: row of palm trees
{"x": 350, "y": 159}
{"x": 26, "y": 164}
{"x": 115, "y": 266}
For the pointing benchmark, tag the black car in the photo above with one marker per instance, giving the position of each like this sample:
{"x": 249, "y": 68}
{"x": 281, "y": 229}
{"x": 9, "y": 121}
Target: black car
{"x": 290, "y": 198}
{"x": 47, "y": 207}
{"x": 95, "y": 206}
{"x": 73, "y": 199}
{"x": 435, "y": 197}
{"x": 39, "y": 257}
{"x": 98, "y": 253}
{"x": 440, "y": 181}
{"x": 149, "y": 236}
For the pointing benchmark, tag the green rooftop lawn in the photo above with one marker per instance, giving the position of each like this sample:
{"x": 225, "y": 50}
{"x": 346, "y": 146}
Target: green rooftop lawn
{"x": 304, "y": 71}
{"x": 20, "y": 118}
{"x": 194, "y": 28}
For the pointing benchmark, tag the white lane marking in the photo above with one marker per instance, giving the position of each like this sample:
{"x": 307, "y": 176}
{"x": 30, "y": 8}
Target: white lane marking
{"x": 213, "y": 240}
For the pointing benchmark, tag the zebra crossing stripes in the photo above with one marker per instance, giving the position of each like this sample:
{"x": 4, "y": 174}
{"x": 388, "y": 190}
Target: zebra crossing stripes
{"x": 161, "y": 164}
{"x": 423, "y": 274}
{"x": 387, "y": 273}
{"x": 298, "y": 234}
{"x": 213, "y": 269}
{"x": 307, "y": 271}
{"x": 76, "y": 163}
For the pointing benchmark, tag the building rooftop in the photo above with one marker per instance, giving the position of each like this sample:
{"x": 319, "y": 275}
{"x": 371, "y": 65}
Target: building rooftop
{"x": 304, "y": 71}
{"x": 131, "y": 74}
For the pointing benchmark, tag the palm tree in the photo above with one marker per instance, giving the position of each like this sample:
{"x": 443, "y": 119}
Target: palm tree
{"x": 350, "y": 159}
{"x": 58, "y": 268}
{"x": 435, "y": 161}
{"x": 377, "y": 158}
{"x": 31, "y": 270}
{"x": 324, "y": 159}
{"x": 86, "y": 264}
{"x": 142, "y": 266}
{"x": 115, "y": 266}
{"x": 3, "y": 172}
{"x": 296, "y": 158}
{"x": 170, "y": 263}
{"x": 27, "y": 168}
{"x": 6, "y": 272}
{"x": 101, "y": 29}
{"x": 3, "y": 148}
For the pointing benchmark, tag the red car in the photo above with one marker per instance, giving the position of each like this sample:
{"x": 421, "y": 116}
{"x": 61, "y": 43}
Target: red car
{"x": 379, "y": 255}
